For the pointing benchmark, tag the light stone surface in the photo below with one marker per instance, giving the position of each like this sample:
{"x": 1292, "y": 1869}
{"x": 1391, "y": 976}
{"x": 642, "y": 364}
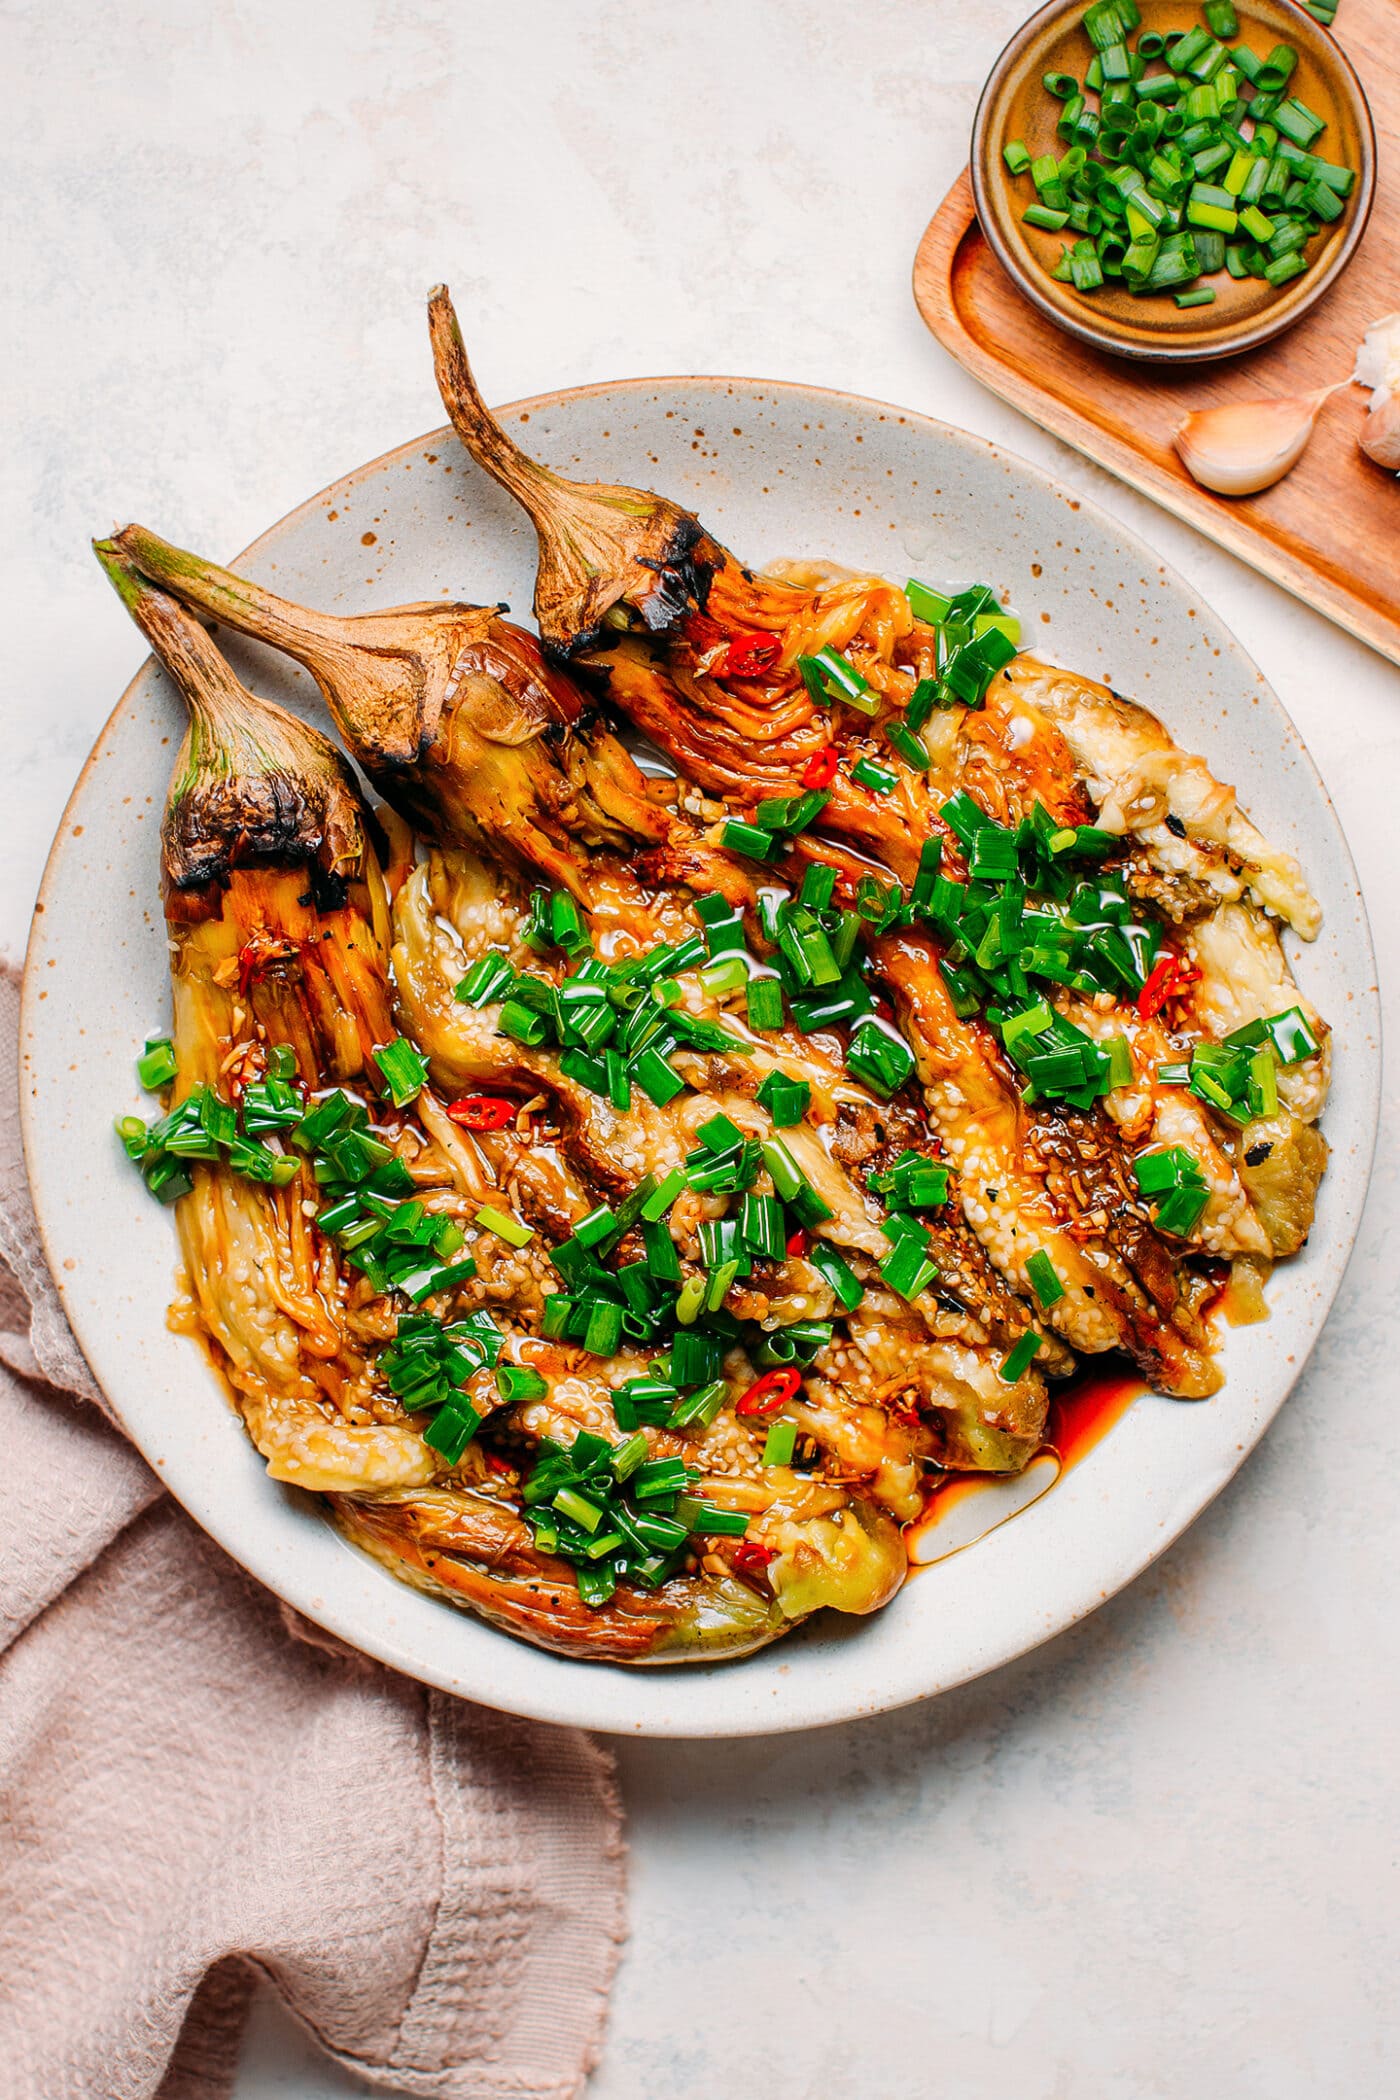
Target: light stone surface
{"x": 1155, "y": 1860}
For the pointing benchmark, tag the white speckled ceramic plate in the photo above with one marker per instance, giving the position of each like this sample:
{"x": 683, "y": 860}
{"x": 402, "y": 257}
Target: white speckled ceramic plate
{"x": 773, "y": 470}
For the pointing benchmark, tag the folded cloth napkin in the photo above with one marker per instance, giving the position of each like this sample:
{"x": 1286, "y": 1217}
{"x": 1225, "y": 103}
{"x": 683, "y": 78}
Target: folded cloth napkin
{"x": 197, "y": 1788}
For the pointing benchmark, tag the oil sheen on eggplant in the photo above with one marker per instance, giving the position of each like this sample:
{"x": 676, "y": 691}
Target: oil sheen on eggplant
{"x": 507, "y": 759}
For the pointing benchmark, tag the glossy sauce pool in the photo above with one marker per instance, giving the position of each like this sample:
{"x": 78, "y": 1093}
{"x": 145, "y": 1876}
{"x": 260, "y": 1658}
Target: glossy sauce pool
{"x": 965, "y": 1507}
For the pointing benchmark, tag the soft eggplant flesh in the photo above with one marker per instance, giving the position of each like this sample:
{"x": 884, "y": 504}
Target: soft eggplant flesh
{"x": 279, "y": 938}
{"x": 1189, "y": 853}
{"x": 501, "y": 751}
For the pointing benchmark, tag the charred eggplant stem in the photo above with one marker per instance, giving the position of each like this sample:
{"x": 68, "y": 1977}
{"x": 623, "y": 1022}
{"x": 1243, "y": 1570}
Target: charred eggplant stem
{"x": 452, "y": 712}
{"x": 386, "y": 677}
{"x": 603, "y": 549}
{"x": 252, "y": 784}
{"x": 257, "y": 966}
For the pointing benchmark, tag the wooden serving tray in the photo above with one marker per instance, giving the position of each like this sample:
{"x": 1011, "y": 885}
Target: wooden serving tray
{"x": 1329, "y": 531}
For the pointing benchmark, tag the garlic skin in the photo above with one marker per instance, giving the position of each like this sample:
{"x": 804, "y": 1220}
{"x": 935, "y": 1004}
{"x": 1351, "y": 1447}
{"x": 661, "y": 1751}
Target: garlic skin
{"x": 1378, "y": 367}
{"x": 1248, "y": 445}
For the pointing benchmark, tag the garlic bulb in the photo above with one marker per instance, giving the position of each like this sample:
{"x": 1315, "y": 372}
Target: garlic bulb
{"x": 1378, "y": 367}
{"x": 1248, "y": 445}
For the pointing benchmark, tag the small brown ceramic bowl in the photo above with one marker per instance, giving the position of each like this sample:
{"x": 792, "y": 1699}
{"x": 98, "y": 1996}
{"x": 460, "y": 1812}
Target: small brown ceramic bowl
{"x": 1246, "y": 312}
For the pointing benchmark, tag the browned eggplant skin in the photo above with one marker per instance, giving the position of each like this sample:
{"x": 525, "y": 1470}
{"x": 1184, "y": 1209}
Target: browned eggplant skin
{"x": 465, "y": 728}
{"x": 484, "y": 1557}
{"x": 744, "y": 736}
{"x": 262, "y": 817}
{"x": 252, "y": 785}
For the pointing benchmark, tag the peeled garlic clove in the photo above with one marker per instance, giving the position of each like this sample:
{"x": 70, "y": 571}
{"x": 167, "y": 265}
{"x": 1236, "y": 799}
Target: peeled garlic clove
{"x": 1248, "y": 445}
{"x": 1378, "y": 367}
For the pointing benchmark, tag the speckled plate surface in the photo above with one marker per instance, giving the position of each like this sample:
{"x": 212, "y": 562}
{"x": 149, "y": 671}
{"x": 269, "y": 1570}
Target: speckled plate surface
{"x": 772, "y": 470}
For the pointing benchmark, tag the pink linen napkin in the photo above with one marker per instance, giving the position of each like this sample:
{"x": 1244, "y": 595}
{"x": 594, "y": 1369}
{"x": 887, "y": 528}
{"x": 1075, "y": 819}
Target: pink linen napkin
{"x": 196, "y": 1788}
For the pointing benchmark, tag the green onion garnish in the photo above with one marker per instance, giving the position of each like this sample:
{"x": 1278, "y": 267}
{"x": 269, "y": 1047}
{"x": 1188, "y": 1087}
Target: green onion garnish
{"x": 522, "y": 1024}
{"x": 404, "y": 1069}
{"x": 520, "y": 1382}
{"x": 910, "y": 747}
{"x": 908, "y": 1268}
{"x": 828, "y": 676}
{"x": 780, "y": 1444}
{"x": 1021, "y": 1357}
{"x": 514, "y": 1231}
{"x": 487, "y": 978}
{"x": 846, "y": 1287}
{"x": 750, "y": 839}
{"x": 1172, "y": 1177}
{"x": 452, "y": 1429}
{"x": 764, "y": 1004}
{"x": 705, "y": 1521}
{"x": 786, "y": 1100}
{"x": 659, "y": 1081}
{"x": 699, "y": 1407}
{"x": 1043, "y": 1280}
{"x": 871, "y": 774}
{"x": 157, "y": 1067}
{"x": 878, "y": 1057}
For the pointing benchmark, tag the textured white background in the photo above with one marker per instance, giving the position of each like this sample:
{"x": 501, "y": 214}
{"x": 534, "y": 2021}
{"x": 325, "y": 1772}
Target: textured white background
{"x": 1157, "y": 1860}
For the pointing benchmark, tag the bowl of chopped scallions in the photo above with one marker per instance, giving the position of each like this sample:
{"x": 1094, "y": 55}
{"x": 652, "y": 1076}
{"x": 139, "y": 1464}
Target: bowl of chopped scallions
{"x": 1174, "y": 181}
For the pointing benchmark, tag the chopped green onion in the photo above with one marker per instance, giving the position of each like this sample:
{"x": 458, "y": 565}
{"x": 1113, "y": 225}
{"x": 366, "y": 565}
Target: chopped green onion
{"x": 663, "y": 1261}
{"x": 1022, "y": 1356}
{"x": 907, "y": 1268}
{"x": 404, "y": 1069}
{"x": 910, "y": 747}
{"x": 828, "y": 676}
{"x": 600, "y": 1225}
{"x": 700, "y": 1407}
{"x": 157, "y": 1067}
{"x": 659, "y": 1081}
{"x": 664, "y": 1195}
{"x": 764, "y": 1004}
{"x": 452, "y": 1429}
{"x": 750, "y": 839}
{"x": 696, "y": 1357}
{"x": 780, "y": 1444}
{"x": 871, "y": 774}
{"x": 1043, "y": 1279}
{"x": 514, "y": 1231}
{"x": 1170, "y": 145}
{"x": 786, "y": 1100}
{"x": 690, "y": 1303}
{"x": 786, "y": 1174}
{"x": 706, "y": 1521}
{"x": 878, "y": 1057}
{"x": 488, "y": 976}
{"x": 522, "y": 1024}
{"x": 521, "y": 1382}
{"x": 835, "y": 1271}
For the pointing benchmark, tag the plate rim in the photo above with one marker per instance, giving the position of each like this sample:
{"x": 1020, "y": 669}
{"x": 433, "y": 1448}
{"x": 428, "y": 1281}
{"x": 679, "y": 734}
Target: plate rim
{"x": 580, "y": 1710}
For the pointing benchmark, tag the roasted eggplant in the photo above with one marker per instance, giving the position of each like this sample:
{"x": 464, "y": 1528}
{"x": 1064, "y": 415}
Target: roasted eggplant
{"x": 899, "y": 708}
{"x": 761, "y": 1140}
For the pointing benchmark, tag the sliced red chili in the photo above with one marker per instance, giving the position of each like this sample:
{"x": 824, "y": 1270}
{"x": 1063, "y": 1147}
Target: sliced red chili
{"x": 768, "y": 1393}
{"x": 820, "y": 769}
{"x": 749, "y": 1558}
{"x": 259, "y": 955}
{"x": 1168, "y": 979}
{"x": 797, "y": 1245}
{"x": 483, "y": 1112}
{"x": 748, "y": 654}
